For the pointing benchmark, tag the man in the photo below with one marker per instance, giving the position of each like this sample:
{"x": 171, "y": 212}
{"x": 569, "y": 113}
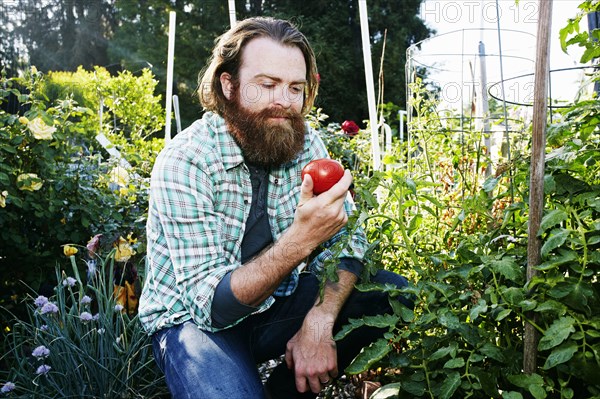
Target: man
{"x": 231, "y": 225}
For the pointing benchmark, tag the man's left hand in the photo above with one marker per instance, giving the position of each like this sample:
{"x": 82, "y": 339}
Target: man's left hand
{"x": 311, "y": 353}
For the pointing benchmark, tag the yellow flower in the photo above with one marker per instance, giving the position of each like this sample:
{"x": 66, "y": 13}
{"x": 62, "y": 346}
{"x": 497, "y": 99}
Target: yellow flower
{"x": 33, "y": 70}
{"x": 29, "y": 182}
{"x": 23, "y": 120}
{"x": 124, "y": 250}
{"x": 69, "y": 250}
{"x": 40, "y": 130}
{"x": 130, "y": 238}
{"x": 3, "y": 196}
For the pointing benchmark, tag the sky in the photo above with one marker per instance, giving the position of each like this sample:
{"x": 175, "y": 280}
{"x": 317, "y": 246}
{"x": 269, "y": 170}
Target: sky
{"x": 452, "y": 54}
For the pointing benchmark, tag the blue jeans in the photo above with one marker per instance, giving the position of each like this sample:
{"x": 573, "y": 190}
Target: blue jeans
{"x": 223, "y": 365}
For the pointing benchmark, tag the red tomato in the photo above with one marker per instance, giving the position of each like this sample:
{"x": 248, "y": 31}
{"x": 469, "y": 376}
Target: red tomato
{"x": 324, "y": 172}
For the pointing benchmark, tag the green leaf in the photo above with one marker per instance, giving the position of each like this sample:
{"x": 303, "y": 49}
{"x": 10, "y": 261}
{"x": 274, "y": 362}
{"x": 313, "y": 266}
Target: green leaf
{"x": 565, "y": 256}
{"x": 589, "y": 54}
{"x": 406, "y": 314}
{"x": 449, "y": 386}
{"x": 4, "y": 179}
{"x": 445, "y": 351}
{"x": 490, "y": 184}
{"x": 526, "y": 380}
{"x": 352, "y": 325}
{"x": 487, "y": 380}
{"x": 564, "y": 33}
{"x": 455, "y": 363}
{"x": 502, "y": 314}
{"x": 561, "y": 354}
{"x": 513, "y": 295}
{"x": 448, "y": 319}
{"x": 509, "y": 269}
{"x": 511, "y": 395}
{"x": 537, "y": 391}
{"x": 480, "y": 307}
{"x": 551, "y": 219}
{"x": 492, "y": 351}
{"x": 410, "y": 183}
{"x": 369, "y": 356}
{"x": 556, "y": 240}
{"x": 557, "y": 333}
{"x": 528, "y": 304}
{"x": 416, "y": 388}
{"x": 381, "y": 321}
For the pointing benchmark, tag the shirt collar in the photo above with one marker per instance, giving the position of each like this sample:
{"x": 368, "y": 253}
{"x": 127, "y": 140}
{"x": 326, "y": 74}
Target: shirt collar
{"x": 231, "y": 153}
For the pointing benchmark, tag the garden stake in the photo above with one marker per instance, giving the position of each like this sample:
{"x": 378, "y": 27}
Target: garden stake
{"x": 538, "y": 145}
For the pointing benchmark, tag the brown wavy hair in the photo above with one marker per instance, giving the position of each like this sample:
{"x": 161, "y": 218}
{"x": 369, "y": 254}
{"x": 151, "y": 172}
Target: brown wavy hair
{"x": 227, "y": 56}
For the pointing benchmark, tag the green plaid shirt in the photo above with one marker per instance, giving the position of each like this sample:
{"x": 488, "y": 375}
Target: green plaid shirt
{"x": 200, "y": 197}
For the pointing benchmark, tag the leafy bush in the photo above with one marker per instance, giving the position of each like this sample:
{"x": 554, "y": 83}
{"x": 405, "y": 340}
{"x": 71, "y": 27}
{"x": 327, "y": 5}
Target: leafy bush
{"x": 57, "y": 184}
{"x": 463, "y": 242}
{"x": 80, "y": 342}
{"x": 461, "y": 237}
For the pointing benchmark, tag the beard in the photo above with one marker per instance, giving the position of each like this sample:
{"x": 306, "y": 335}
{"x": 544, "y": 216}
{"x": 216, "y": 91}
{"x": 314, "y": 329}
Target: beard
{"x": 263, "y": 141}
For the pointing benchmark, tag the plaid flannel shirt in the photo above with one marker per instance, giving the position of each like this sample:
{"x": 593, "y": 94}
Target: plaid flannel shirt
{"x": 200, "y": 196}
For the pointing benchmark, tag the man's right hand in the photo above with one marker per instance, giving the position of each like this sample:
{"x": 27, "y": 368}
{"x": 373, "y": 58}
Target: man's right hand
{"x": 318, "y": 218}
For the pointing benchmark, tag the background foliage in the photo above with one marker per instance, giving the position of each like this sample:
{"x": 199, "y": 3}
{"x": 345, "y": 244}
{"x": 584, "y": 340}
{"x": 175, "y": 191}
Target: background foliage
{"x": 63, "y": 34}
{"x": 74, "y": 189}
{"x": 81, "y": 342}
{"x": 462, "y": 238}
{"x": 434, "y": 215}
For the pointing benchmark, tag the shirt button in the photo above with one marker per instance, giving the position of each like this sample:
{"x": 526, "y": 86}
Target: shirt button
{"x": 276, "y": 181}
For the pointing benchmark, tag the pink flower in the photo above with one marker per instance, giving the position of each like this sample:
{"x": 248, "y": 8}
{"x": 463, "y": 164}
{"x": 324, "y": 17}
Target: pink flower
{"x": 93, "y": 245}
{"x": 350, "y": 128}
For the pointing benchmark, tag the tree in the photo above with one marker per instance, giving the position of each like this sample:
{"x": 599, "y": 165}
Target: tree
{"x": 332, "y": 27}
{"x": 142, "y": 34}
{"x": 60, "y": 34}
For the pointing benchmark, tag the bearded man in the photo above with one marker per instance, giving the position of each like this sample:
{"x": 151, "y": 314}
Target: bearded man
{"x": 237, "y": 241}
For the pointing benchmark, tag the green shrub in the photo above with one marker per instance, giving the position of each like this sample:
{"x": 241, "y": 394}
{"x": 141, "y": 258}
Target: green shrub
{"x": 58, "y": 185}
{"x": 462, "y": 238}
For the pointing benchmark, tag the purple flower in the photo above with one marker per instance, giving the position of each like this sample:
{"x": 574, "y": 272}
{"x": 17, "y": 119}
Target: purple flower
{"x": 40, "y": 301}
{"x": 70, "y": 281}
{"x": 41, "y": 352}
{"x": 86, "y": 316}
{"x": 49, "y": 308}
{"x": 7, "y": 387}
{"x": 44, "y": 327}
{"x": 86, "y": 300}
{"x": 118, "y": 307}
{"x": 43, "y": 369}
{"x": 96, "y": 316}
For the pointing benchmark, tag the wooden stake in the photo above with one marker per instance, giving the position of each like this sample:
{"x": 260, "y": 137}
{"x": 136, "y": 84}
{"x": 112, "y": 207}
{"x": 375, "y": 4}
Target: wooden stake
{"x": 538, "y": 159}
